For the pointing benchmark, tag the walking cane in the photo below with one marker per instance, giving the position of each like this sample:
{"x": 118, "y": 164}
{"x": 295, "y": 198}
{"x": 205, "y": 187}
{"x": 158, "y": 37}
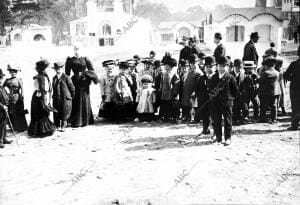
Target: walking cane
{"x": 12, "y": 128}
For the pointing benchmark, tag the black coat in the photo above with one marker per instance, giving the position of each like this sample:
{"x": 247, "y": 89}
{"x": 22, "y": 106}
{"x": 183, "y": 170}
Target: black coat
{"x": 293, "y": 74}
{"x": 195, "y": 50}
{"x": 63, "y": 93}
{"x": 269, "y": 82}
{"x": 250, "y": 53}
{"x": 223, "y": 90}
{"x": 219, "y": 51}
{"x": 4, "y": 100}
{"x": 248, "y": 88}
{"x": 185, "y": 53}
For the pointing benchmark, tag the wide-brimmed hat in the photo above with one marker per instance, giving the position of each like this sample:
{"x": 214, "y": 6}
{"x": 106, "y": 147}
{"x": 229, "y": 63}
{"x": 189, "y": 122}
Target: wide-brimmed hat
{"x": 210, "y": 60}
{"x": 108, "y": 62}
{"x": 13, "y": 68}
{"x": 249, "y": 64}
{"x": 58, "y": 64}
{"x": 42, "y": 65}
{"x": 1, "y": 73}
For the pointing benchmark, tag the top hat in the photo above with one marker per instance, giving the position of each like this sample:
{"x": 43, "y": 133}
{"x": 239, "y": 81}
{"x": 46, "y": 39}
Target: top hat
{"x": 12, "y": 69}
{"x": 58, "y": 65}
{"x": 108, "y": 62}
{"x": 42, "y": 65}
{"x": 210, "y": 60}
{"x": 1, "y": 73}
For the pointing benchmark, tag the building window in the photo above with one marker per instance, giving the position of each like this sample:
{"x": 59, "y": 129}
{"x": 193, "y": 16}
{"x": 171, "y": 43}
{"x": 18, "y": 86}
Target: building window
{"x": 106, "y": 29}
{"x": 167, "y": 37}
{"x": 235, "y": 33}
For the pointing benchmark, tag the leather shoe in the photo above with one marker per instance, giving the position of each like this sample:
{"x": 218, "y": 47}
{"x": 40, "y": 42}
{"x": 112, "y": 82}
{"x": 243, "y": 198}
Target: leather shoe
{"x": 205, "y": 132}
{"x": 6, "y": 141}
{"x": 227, "y": 142}
{"x": 1, "y": 146}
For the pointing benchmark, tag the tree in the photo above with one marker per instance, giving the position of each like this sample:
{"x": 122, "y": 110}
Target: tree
{"x": 6, "y": 18}
{"x": 157, "y": 12}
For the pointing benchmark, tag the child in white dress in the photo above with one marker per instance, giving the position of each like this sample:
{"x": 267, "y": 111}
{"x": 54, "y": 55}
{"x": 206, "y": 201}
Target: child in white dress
{"x": 146, "y": 98}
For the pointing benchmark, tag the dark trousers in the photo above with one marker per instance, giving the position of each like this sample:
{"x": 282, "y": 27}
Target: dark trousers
{"x": 217, "y": 111}
{"x": 239, "y": 110}
{"x": 295, "y": 101}
{"x": 255, "y": 104}
{"x": 186, "y": 112}
{"x": 2, "y": 130}
{"x": 268, "y": 101}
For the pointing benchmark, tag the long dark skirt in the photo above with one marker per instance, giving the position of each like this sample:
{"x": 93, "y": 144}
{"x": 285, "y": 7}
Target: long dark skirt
{"x": 40, "y": 125}
{"x": 17, "y": 116}
{"x": 107, "y": 110}
{"x": 124, "y": 111}
{"x": 81, "y": 114}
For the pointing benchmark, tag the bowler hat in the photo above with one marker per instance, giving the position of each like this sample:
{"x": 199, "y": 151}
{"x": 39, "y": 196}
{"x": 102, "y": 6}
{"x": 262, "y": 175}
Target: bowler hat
{"x": 123, "y": 65}
{"x": 193, "y": 58}
{"x": 222, "y": 60}
{"x": 184, "y": 62}
{"x": 237, "y": 62}
{"x": 270, "y": 61}
{"x": 254, "y": 35}
{"x": 170, "y": 62}
{"x": 210, "y": 60}
{"x": 218, "y": 36}
{"x": 58, "y": 65}
{"x": 108, "y": 62}
{"x": 157, "y": 63}
{"x": 147, "y": 61}
{"x": 42, "y": 65}
{"x": 152, "y": 53}
{"x": 201, "y": 55}
{"x": 12, "y": 68}
{"x": 1, "y": 73}
{"x": 136, "y": 57}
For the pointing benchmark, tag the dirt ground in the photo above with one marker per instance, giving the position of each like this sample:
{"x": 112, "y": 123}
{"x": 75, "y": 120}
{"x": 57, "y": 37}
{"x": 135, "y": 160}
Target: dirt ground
{"x": 149, "y": 163}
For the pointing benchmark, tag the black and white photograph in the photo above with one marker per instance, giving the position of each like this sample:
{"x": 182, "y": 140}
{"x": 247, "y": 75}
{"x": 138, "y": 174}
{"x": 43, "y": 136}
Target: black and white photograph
{"x": 149, "y": 102}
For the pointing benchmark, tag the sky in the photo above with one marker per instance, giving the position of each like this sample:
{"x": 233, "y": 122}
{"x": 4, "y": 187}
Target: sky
{"x": 182, "y": 5}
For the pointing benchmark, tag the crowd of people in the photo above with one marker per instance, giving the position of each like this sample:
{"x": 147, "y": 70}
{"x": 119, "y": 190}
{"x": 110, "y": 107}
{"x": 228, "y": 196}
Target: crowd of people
{"x": 196, "y": 88}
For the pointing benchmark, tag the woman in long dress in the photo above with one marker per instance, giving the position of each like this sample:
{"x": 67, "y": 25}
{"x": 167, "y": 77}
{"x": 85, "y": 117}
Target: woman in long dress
{"x": 16, "y": 100}
{"x": 84, "y": 74}
{"x": 40, "y": 125}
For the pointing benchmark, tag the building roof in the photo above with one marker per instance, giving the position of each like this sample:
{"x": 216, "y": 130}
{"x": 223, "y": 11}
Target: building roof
{"x": 248, "y": 13}
{"x": 170, "y": 24}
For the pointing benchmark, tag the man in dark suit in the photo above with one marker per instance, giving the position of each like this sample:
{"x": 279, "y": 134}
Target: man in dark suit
{"x": 222, "y": 91}
{"x": 238, "y": 106}
{"x": 269, "y": 90}
{"x": 293, "y": 74}
{"x": 220, "y": 50}
{"x": 4, "y": 100}
{"x": 202, "y": 93}
{"x": 185, "y": 53}
{"x": 250, "y": 53}
{"x": 63, "y": 93}
{"x": 194, "y": 48}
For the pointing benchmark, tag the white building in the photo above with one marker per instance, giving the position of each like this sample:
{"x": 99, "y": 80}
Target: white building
{"x": 106, "y": 24}
{"x": 29, "y": 34}
{"x": 170, "y": 32}
{"x": 236, "y": 25}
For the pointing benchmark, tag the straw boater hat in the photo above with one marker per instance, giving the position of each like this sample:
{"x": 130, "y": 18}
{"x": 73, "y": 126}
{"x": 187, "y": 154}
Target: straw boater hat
{"x": 13, "y": 68}
{"x": 248, "y": 65}
{"x": 108, "y": 62}
{"x": 146, "y": 79}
